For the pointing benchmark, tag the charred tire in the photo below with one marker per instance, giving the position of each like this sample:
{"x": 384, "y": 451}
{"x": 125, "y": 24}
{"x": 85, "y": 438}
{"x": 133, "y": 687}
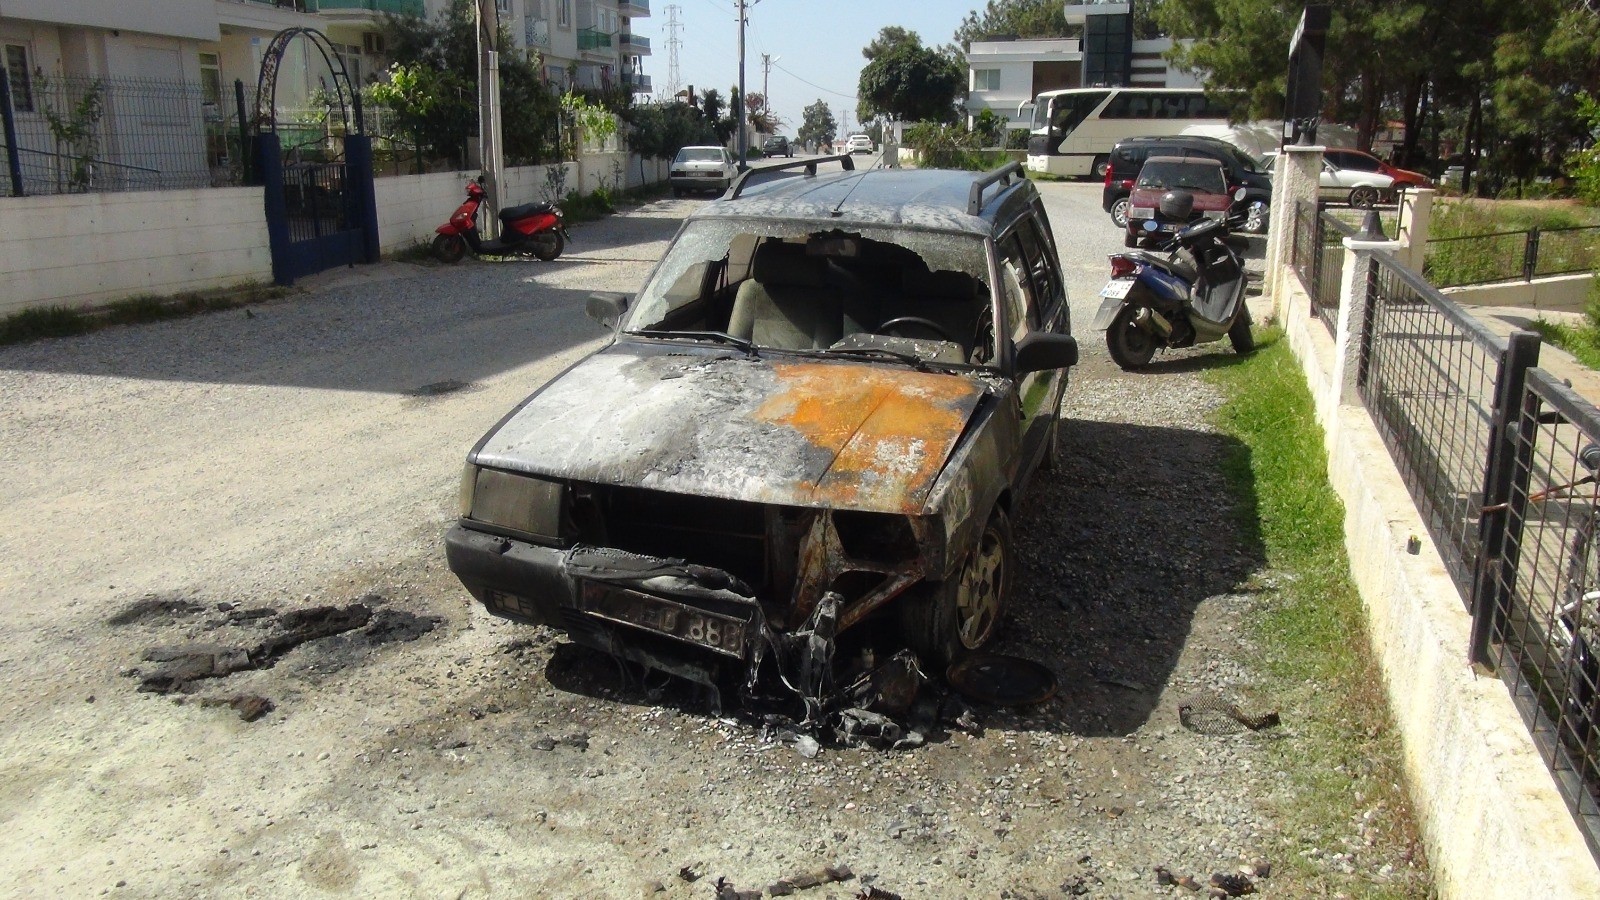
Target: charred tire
{"x": 1364, "y": 197}
{"x": 548, "y": 252}
{"x": 1119, "y": 212}
{"x": 945, "y": 621}
{"x": 1131, "y": 346}
{"x": 449, "y": 248}
{"x": 1239, "y": 334}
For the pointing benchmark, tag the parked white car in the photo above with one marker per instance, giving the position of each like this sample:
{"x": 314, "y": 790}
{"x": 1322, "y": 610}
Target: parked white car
{"x": 701, "y": 169}
{"x": 859, "y": 143}
{"x": 1359, "y": 189}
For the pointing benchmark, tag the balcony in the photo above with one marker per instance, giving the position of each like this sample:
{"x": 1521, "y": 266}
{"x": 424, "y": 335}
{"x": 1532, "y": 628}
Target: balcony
{"x": 634, "y": 44}
{"x": 592, "y": 40}
{"x": 636, "y": 9}
{"x": 392, "y": 7}
{"x": 639, "y": 82}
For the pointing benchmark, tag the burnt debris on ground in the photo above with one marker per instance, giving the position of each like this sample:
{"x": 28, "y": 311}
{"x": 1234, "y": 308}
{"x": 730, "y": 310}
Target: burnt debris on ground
{"x": 253, "y": 638}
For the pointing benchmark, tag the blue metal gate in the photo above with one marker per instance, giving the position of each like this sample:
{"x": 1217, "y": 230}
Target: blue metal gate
{"x": 319, "y": 215}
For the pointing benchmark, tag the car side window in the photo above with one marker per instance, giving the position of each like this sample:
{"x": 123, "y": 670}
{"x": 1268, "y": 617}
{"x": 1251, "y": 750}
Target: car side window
{"x": 1021, "y": 303}
{"x": 1036, "y": 250}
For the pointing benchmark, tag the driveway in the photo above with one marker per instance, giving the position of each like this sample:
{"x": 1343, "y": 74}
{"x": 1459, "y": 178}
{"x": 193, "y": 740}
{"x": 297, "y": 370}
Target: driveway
{"x": 212, "y": 482}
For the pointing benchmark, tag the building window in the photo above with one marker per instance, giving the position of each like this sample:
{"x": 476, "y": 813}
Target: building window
{"x": 564, "y": 13}
{"x": 21, "y": 77}
{"x": 986, "y": 79}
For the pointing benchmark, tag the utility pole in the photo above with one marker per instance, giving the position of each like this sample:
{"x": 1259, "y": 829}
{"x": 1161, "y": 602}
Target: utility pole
{"x": 489, "y": 149}
{"x": 739, "y": 139}
{"x": 674, "y": 77}
{"x": 766, "y": 72}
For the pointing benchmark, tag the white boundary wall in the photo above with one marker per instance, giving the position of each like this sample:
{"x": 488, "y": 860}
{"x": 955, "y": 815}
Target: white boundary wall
{"x": 84, "y": 250}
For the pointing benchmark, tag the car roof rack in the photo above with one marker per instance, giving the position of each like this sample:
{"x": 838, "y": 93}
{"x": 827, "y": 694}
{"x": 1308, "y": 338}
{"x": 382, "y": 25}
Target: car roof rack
{"x": 810, "y": 165}
{"x": 1001, "y": 176}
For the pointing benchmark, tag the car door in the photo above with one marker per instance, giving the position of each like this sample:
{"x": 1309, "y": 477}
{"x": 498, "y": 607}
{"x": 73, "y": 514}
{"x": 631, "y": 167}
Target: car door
{"x": 1035, "y": 301}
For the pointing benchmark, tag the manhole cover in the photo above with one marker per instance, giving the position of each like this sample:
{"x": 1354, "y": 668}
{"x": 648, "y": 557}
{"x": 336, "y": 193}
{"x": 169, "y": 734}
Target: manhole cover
{"x": 1002, "y": 680}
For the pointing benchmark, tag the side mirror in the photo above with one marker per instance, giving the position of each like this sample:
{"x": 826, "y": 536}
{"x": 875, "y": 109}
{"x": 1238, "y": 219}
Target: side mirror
{"x": 1044, "y": 350}
{"x": 606, "y": 307}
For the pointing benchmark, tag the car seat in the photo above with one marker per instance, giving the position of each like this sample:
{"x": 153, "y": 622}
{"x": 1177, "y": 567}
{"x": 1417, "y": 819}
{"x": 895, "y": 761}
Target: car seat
{"x": 787, "y": 301}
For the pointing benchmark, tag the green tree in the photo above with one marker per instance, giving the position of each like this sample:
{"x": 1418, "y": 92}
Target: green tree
{"x": 912, "y": 83}
{"x": 889, "y": 37}
{"x": 1014, "y": 18}
{"x": 818, "y": 125}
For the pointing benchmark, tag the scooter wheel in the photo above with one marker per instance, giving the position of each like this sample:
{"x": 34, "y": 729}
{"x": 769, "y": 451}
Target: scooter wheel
{"x": 548, "y": 252}
{"x": 1131, "y": 346}
{"x": 1239, "y": 333}
{"x": 449, "y": 248}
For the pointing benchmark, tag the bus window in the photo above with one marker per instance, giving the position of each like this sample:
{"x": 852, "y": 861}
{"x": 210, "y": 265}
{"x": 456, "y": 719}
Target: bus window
{"x": 1067, "y": 111}
{"x": 1197, "y": 107}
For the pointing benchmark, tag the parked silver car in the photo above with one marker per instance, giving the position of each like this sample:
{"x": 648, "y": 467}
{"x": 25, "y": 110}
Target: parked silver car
{"x": 701, "y": 169}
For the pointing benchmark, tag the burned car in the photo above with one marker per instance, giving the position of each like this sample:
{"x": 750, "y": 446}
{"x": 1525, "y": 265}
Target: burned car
{"x": 816, "y": 416}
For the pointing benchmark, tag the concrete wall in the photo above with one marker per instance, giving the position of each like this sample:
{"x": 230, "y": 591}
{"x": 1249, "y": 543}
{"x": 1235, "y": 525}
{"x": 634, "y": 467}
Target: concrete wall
{"x": 167, "y": 242}
{"x": 1488, "y": 807}
{"x": 83, "y": 249}
{"x": 1556, "y": 293}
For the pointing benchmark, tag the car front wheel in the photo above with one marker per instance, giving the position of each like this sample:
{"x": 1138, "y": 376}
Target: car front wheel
{"x": 945, "y": 621}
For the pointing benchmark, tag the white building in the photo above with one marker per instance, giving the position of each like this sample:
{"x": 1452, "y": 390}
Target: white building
{"x": 583, "y": 43}
{"x": 1005, "y": 75}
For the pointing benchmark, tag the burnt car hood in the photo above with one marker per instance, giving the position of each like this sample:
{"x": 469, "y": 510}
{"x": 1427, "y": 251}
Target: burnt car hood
{"x": 789, "y": 431}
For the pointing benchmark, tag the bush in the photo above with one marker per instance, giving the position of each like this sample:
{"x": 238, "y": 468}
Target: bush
{"x": 1585, "y": 164}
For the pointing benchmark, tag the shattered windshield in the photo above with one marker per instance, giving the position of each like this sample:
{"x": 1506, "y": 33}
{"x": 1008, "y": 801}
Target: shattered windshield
{"x": 884, "y": 293}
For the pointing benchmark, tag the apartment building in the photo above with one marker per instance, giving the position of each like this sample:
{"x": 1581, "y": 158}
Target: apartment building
{"x": 583, "y": 43}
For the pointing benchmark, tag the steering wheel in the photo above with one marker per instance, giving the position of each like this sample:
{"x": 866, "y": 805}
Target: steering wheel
{"x": 932, "y": 326}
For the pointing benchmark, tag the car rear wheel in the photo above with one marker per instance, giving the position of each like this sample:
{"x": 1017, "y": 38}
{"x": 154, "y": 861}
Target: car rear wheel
{"x": 1131, "y": 346}
{"x": 1364, "y": 197}
{"x": 1119, "y": 212}
{"x": 1128, "y": 240}
{"x": 1255, "y": 217}
{"x": 945, "y": 621}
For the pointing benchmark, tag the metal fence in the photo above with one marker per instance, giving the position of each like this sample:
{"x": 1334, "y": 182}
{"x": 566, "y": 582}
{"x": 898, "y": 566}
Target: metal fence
{"x": 1539, "y": 623}
{"x": 1512, "y": 255}
{"x": 1318, "y": 254}
{"x": 1500, "y": 459}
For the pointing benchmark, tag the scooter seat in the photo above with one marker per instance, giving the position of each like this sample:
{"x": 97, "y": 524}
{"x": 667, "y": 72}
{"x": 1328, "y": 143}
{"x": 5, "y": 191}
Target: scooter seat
{"x": 1175, "y": 266}
{"x": 513, "y": 213}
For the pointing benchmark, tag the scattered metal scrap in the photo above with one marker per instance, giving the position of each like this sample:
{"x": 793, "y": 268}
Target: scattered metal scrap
{"x": 1215, "y": 715}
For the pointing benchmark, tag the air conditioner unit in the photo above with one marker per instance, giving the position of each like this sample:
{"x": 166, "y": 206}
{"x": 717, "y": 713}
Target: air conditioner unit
{"x": 372, "y": 42}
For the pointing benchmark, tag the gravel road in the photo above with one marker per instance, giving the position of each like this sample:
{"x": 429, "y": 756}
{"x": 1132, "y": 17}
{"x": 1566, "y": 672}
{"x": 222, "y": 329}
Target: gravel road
{"x": 210, "y": 478}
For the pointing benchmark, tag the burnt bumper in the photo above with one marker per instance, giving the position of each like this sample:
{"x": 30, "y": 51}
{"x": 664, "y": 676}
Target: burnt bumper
{"x": 513, "y": 579}
{"x": 607, "y": 598}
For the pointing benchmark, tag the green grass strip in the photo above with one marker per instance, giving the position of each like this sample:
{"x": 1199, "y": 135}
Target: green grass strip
{"x": 1340, "y": 748}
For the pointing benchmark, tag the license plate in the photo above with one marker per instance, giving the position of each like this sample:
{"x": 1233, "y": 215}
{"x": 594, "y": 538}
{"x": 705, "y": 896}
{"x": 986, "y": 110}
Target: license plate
{"x": 1117, "y": 289}
{"x": 714, "y": 631}
{"x": 1170, "y": 227}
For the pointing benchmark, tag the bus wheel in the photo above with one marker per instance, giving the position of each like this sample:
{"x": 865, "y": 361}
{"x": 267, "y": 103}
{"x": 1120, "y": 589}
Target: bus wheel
{"x": 1102, "y": 165}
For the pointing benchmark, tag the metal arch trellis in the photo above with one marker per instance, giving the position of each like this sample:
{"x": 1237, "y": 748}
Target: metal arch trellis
{"x": 267, "y": 81}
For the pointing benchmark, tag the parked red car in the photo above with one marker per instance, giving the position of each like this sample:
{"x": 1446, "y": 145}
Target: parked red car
{"x": 1366, "y": 162}
{"x": 1203, "y": 178}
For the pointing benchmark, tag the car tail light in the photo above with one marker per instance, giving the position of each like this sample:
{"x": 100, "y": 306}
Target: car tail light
{"x": 1122, "y": 267}
{"x": 1111, "y": 175}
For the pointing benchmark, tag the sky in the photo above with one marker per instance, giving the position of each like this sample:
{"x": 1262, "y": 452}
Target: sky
{"x": 815, "y": 45}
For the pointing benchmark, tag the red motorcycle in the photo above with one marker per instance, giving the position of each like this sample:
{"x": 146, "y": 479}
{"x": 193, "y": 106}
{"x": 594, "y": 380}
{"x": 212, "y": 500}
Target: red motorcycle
{"x": 532, "y": 229}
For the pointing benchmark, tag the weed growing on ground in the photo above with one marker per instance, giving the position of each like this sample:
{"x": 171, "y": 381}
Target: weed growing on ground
{"x": 1345, "y": 792}
{"x": 60, "y": 321}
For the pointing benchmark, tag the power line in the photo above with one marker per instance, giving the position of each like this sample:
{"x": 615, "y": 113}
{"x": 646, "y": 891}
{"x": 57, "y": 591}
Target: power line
{"x": 814, "y": 84}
